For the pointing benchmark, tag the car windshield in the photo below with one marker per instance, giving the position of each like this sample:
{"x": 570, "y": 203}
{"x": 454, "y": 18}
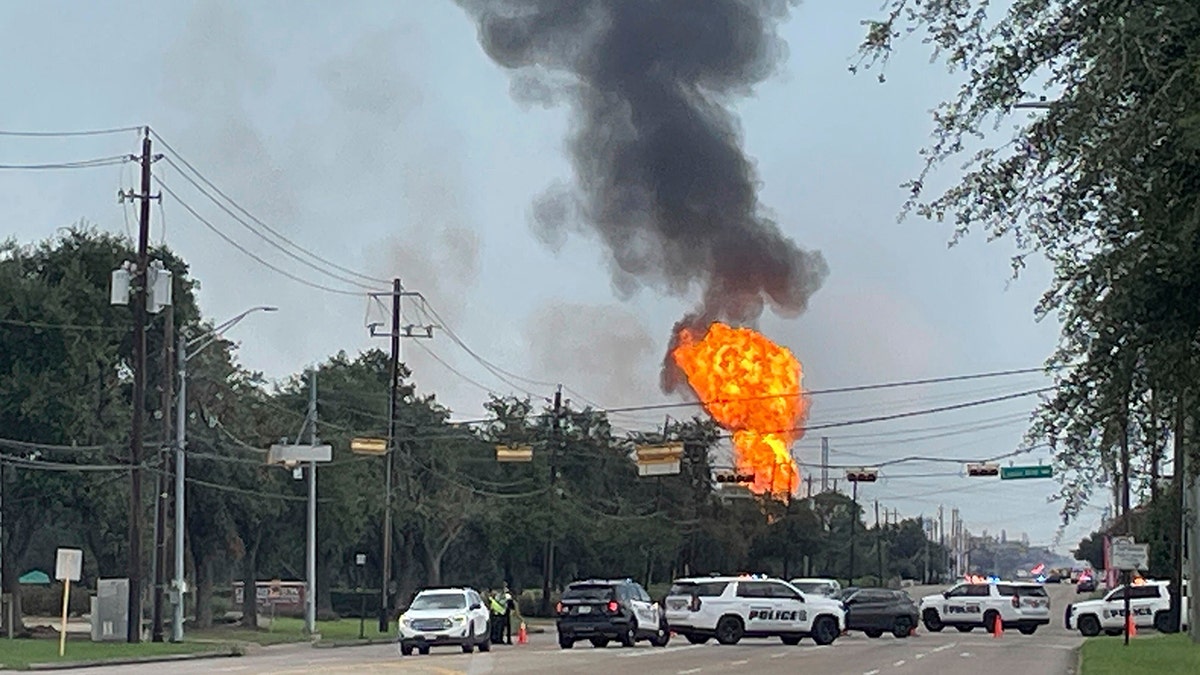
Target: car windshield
{"x": 593, "y": 593}
{"x": 818, "y": 587}
{"x": 439, "y": 601}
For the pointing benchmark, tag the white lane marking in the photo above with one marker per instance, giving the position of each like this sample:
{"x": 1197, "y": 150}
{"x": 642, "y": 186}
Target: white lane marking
{"x": 965, "y": 655}
{"x": 919, "y": 656}
{"x": 898, "y": 663}
{"x": 650, "y": 651}
{"x": 739, "y": 663}
{"x": 689, "y": 671}
{"x": 945, "y": 647}
{"x": 780, "y": 655}
{"x": 872, "y": 672}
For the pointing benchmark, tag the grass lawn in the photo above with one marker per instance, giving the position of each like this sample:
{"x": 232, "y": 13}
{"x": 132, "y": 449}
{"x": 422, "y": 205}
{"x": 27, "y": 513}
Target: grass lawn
{"x": 18, "y": 654}
{"x": 1158, "y": 654}
{"x": 286, "y": 629}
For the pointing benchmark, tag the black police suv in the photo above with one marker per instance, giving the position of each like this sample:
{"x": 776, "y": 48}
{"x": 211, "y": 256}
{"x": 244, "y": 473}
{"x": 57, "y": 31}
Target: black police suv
{"x": 876, "y": 610}
{"x": 603, "y": 610}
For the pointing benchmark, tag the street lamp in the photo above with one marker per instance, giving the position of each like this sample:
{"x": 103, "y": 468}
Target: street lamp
{"x": 184, "y": 352}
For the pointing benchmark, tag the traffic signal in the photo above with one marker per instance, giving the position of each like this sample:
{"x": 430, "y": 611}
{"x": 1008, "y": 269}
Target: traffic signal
{"x": 735, "y": 478}
{"x": 862, "y": 475}
{"x": 983, "y": 469}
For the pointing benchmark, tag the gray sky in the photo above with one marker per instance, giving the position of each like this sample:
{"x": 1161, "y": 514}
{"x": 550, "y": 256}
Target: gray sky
{"x": 380, "y": 136}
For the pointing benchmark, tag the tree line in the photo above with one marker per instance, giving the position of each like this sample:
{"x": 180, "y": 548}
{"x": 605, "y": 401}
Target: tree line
{"x": 458, "y": 515}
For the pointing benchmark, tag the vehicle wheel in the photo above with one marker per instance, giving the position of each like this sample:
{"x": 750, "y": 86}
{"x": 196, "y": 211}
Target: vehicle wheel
{"x": 729, "y": 630}
{"x": 629, "y": 637}
{"x": 486, "y": 644}
{"x": 599, "y": 643}
{"x": 933, "y": 622}
{"x": 424, "y": 651}
{"x": 406, "y": 650}
{"x": 468, "y": 647}
{"x": 873, "y": 633}
{"x": 565, "y": 642}
{"x": 662, "y": 637}
{"x": 989, "y": 621}
{"x": 903, "y": 627}
{"x": 696, "y": 639}
{"x": 965, "y": 629}
{"x": 790, "y": 640}
{"x": 1027, "y": 630}
{"x": 824, "y": 630}
{"x": 1089, "y": 625}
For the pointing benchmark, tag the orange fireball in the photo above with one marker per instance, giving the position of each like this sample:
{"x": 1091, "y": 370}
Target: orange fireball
{"x": 750, "y": 386}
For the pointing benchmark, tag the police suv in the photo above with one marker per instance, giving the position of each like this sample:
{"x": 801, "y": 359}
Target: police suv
{"x": 968, "y": 605}
{"x": 730, "y": 608}
{"x": 1149, "y": 603}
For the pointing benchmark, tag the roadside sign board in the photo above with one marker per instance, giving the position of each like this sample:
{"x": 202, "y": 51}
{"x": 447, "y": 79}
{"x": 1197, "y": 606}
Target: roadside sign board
{"x": 1015, "y": 472}
{"x": 1127, "y": 555}
{"x": 368, "y": 446}
{"x": 69, "y": 564}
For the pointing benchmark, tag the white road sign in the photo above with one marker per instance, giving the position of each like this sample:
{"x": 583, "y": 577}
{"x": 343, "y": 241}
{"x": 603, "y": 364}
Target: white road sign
{"x": 1129, "y": 556}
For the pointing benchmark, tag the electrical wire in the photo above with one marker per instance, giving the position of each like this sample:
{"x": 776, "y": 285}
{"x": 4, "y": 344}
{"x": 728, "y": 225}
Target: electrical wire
{"x": 61, "y": 326}
{"x": 67, "y": 134}
{"x": 246, "y": 251}
{"x": 253, "y": 230}
{"x": 80, "y": 164}
{"x": 259, "y": 222}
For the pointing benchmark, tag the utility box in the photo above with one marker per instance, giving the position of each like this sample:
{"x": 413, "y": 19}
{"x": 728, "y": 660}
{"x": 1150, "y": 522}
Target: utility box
{"x": 110, "y": 611}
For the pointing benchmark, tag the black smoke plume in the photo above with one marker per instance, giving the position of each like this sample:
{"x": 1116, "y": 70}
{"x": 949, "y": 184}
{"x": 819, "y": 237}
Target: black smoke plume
{"x": 661, "y": 175}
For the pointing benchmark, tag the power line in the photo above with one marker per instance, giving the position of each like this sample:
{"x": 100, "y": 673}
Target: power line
{"x": 66, "y": 134}
{"x": 839, "y": 390}
{"x": 246, "y": 251}
{"x": 264, "y": 237}
{"x": 61, "y": 326}
{"x": 78, "y": 164}
{"x": 251, "y": 216}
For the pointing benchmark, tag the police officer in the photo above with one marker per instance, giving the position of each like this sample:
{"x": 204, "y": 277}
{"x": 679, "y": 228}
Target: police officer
{"x": 509, "y": 606}
{"x": 498, "y": 617}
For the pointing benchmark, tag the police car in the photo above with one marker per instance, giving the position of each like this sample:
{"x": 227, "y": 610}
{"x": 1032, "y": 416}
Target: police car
{"x": 1149, "y": 603}
{"x": 731, "y": 608}
{"x": 980, "y": 603}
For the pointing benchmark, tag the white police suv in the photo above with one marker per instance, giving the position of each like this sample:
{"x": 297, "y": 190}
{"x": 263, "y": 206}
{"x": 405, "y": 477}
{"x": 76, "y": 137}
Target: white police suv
{"x": 1149, "y": 603}
{"x": 973, "y": 604}
{"x": 445, "y": 616}
{"x": 731, "y": 608}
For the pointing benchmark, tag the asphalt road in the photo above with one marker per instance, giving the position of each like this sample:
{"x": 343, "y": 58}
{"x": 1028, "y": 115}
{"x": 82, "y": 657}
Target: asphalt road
{"x": 1051, "y": 651}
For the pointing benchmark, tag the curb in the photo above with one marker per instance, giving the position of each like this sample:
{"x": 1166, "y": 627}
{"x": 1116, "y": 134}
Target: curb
{"x": 341, "y": 644}
{"x": 136, "y": 660}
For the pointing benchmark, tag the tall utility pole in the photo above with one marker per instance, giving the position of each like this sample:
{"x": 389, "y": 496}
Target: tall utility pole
{"x": 926, "y": 534}
{"x": 394, "y": 334}
{"x": 879, "y": 540}
{"x": 825, "y": 464}
{"x": 310, "y": 595}
{"x": 548, "y": 558}
{"x": 161, "y": 494}
{"x": 134, "y": 559}
{"x": 389, "y": 460}
{"x": 853, "y": 523}
{"x": 179, "y": 585}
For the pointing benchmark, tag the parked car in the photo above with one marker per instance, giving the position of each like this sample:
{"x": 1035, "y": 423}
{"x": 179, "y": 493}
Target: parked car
{"x": 602, "y": 610}
{"x": 1086, "y": 585}
{"x": 445, "y": 616}
{"x": 829, "y": 588}
{"x": 875, "y": 610}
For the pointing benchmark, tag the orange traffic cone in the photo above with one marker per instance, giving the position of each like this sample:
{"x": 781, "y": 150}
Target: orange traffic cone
{"x": 997, "y": 628}
{"x": 1130, "y": 626}
{"x": 522, "y": 635}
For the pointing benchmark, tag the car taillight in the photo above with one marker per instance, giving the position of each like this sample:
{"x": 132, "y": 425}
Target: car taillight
{"x": 613, "y": 606}
{"x": 1016, "y": 602}
{"x": 695, "y": 604}
{"x": 560, "y": 609}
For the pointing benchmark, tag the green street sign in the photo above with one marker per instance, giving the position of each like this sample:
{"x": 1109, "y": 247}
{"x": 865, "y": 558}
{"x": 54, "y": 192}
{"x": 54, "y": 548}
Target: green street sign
{"x": 1014, "y": 472}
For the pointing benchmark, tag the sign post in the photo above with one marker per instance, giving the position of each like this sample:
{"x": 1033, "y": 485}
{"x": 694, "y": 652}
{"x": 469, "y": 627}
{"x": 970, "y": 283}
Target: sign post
{"x": 67, "y": 568}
